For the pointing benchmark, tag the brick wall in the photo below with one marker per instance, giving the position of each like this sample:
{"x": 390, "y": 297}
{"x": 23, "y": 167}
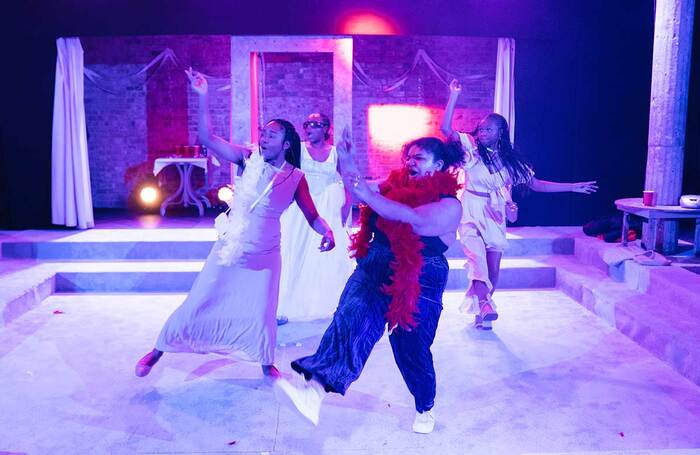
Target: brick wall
{"x": 147, "y": 117}
{"x": 385, "y": 58}
{"x": 117, "y": 132}
{"x": 297, "y": 84}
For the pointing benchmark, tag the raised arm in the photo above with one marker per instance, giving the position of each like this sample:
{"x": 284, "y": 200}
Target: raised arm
{"x": 544, "y": 186}
{"x": 347, "y": 204}
{"x": 218, "y": 146}
{"x": 446, "y": 125}
{"x": 302, "y": 196}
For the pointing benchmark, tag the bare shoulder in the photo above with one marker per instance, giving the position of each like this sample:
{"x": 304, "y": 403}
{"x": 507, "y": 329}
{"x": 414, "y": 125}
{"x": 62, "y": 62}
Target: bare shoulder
{"x": 452, "y": 204}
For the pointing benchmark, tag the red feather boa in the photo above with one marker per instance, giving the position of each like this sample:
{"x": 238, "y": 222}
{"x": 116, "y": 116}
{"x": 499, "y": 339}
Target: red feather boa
{"x": 405, "y": 244}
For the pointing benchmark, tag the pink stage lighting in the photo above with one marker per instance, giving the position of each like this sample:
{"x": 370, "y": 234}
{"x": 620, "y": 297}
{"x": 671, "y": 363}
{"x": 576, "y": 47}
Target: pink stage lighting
{"x": 390, "y": 126}
{"x": 367, "y": 23}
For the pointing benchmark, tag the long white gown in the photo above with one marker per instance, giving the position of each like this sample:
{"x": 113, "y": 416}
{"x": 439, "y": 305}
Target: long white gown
{"x": 311, "y": 282}
{"x": 232, "y": 309}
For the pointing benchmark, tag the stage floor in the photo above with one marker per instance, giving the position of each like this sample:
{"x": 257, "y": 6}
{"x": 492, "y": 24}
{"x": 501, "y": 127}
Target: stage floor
{"x": 551, "y": 378}
{"x": 557, "y": 375}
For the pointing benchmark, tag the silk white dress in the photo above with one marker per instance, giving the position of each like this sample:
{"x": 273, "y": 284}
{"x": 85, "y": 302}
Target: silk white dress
{"x": 311, "y": 281}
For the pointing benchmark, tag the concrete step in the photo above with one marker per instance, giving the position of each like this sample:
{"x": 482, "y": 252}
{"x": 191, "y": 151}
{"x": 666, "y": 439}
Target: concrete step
{"x": 195, "y": 243}
{"x": 675, "y": 284}
{"x": 667, "y": 326}
{"x": 515, "y": 273}
{"x": 525, "y": 246}
{"x": 178, "y": 276}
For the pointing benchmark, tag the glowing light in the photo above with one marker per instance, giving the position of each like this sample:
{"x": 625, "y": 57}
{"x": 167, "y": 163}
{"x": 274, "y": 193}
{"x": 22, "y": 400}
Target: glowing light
{"x": 392, "y": 125}
{"x": 368, "y": 23}
{"x": 225, "y": 194}
{"x": 148, "y": 195}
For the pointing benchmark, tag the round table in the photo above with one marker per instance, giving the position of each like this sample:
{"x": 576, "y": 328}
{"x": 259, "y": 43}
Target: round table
{"x": 185, "y": 194}
{"x": 654, "y": 215}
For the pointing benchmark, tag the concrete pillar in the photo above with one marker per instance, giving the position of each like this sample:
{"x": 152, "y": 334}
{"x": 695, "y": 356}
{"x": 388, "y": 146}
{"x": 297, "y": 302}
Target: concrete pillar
{"x": 673, "y": 32}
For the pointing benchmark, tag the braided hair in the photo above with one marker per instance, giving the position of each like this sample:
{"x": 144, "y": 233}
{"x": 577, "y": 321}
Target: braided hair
{"x": 518, "y": 167}
{"x": 293, "y": 154}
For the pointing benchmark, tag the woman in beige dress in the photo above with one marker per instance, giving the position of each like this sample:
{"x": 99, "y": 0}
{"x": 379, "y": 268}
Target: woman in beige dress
{"x": 232, "y": 305}
{"x": 492, "y": 169}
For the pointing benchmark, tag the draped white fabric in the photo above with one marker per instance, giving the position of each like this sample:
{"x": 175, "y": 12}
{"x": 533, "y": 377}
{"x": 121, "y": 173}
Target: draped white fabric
{"x": 71, "y": 198}
{"x": 504, "y": 95}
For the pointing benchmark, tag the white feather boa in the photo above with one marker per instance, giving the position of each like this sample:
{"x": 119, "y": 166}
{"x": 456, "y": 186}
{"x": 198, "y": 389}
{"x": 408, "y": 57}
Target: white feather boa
{"x": 231, "y": 224}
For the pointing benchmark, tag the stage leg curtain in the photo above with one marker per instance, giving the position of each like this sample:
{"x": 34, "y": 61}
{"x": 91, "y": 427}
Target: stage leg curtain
{"x": 71, "y": 198}
{"x": 504, "y": 96}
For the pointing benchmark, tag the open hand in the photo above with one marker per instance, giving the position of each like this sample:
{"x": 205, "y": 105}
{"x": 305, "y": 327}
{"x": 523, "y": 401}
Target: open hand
{"x": 584, "y": 187}
{"x": 348, "y": 164}
{"x": 199, "y": 83}
{"x": 359, "y": 187}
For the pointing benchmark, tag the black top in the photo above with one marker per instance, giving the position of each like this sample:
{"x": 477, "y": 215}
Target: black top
{"x": 433, "y": 245}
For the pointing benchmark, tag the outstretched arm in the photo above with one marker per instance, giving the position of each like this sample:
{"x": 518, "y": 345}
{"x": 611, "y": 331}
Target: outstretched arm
{"x": 432, "y": 219}
{"x": 446, "y": 125}
{"x": 556, "y": 187}
{"x": 302, "y": 196}
{"x": 217, "y": 145}
{"x": 436, "y": 218}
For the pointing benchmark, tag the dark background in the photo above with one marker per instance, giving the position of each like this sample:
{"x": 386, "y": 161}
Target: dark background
{"x": 583, "y": 75}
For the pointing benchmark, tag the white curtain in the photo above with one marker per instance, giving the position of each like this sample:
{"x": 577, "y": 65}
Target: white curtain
{"x": 504, "y": 96}
{"x": 71, "y": 199}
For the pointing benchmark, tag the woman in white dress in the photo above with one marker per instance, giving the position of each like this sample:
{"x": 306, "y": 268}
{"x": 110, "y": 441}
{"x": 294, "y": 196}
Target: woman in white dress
{"x": 232, "y": 305}
{"x": 311, "y": 282}
{"x": 492, "y": 169}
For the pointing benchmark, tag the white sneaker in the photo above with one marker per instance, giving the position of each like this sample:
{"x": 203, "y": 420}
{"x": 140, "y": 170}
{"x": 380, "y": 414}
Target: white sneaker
{"x": 305, "y": 397}
{"x": 424, "y": 423}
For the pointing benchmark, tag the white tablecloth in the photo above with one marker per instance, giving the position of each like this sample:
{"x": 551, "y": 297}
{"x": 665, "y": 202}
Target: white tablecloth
{"x": 160, "y": 163}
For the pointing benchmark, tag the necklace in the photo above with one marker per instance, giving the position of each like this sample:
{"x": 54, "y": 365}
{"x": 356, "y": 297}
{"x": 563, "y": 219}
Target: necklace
{"x": 268, "y": 188}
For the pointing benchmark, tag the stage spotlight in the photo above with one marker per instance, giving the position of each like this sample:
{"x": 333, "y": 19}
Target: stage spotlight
{"x": 368, "y": 23}
{"x": 145, "y": 196}
{"x": 149, "y": 195}
{"x": 225, "y": 194}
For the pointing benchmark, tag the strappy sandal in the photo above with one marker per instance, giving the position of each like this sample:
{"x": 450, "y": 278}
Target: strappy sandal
{"x": 486, "y": 311}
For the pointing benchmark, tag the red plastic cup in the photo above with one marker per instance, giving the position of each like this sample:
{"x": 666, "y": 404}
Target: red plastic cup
{"x": 196, "y": 151}
{"x": 649, "y": 198}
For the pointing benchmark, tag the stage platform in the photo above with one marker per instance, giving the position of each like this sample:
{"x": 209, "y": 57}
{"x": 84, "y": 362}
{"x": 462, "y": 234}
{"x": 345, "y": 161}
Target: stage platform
{"x": 594, "y": 353}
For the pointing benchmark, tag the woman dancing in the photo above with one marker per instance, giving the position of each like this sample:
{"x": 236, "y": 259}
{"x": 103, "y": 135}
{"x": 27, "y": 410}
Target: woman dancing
{"x": 232, "y": 305}
{"x": 492, "y": 169}
{"x": 399, "y": 281}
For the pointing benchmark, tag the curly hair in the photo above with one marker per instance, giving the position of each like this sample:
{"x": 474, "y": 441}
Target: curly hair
{"x": 451, "y": 152}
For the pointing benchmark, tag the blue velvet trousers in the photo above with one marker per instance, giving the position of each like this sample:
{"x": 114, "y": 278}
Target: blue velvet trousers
{"x": 358, "y": 323}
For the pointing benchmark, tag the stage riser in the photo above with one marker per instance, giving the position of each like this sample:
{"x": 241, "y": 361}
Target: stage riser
{"x": 526, "y": 247}
{"x": 510, "y": 278}
{"x": 101, "y": 251}
{"x": 69, "y": 282}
